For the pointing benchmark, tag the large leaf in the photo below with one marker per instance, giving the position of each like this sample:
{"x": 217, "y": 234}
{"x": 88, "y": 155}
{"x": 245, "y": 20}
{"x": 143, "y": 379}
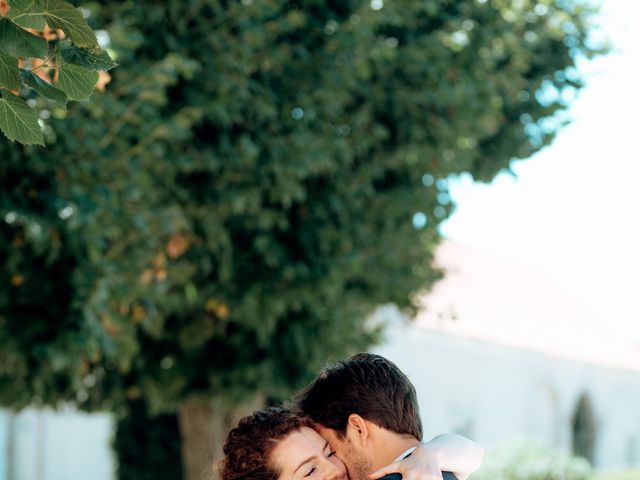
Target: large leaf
{"x": 17, "y": 42}
{"x": 66, "y": 17}
{"x": 9, "y": 77}
{"x": 77, "y": 82}
{"x": 28, "y": 13}
{"x": 95, "y": 59}
{"x": 18, "y": 121}
{"x": 43, "y": 87}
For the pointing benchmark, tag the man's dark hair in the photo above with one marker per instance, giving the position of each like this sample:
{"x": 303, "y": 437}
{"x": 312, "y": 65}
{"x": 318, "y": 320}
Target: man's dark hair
{"x": 368, "y": 385}
{"x": 248, "y": 447}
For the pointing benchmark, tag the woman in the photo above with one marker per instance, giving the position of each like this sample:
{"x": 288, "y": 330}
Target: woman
{"x": 277, "y": 444}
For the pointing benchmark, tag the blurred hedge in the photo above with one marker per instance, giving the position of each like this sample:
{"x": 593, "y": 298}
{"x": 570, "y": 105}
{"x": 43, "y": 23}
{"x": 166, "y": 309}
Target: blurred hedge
{"x": 525, "y": 461}
{"x": 630, "y": 474}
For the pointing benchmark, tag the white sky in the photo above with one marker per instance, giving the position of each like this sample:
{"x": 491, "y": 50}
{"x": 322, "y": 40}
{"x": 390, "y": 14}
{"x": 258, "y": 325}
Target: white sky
{"x": 573, "y": 212}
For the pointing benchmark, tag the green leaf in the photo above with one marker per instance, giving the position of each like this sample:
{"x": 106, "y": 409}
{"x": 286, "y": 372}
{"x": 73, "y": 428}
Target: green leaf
{"x": 77, "y": 82}
{"x": 9, "y": 77}
{"x": 44, "y": 88}
{"x": 66, "y": 17}
{"x": 17, "y": 42}
{"x": 94, "y": 59}
{"x": 27, "y": 14}
{"x": 18, "y": 121}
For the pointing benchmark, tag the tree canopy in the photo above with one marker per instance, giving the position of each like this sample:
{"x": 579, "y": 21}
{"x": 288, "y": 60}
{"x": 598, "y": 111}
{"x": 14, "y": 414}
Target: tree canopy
{"x": 257, "y": 178}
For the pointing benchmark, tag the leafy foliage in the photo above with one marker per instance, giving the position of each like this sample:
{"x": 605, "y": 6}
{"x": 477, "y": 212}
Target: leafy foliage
{"x": 525, "y": 461}
{"x": 628, "y": 474}
{"x": 225, "y": 217}
{"x": 34, "y": 56}
{"x": 19, "y": 120}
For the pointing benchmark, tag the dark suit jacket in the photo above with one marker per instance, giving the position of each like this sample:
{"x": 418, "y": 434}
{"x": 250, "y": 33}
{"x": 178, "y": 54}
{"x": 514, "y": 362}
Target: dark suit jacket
{"x": 398, "y": 476}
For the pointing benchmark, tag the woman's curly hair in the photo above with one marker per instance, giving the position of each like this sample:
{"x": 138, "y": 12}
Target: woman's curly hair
{"x": 249, "y": 445}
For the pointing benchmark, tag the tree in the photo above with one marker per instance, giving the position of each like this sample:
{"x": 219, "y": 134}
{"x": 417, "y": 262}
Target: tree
{"x": 46, "y": 47}
{"x": 259, "y": 177}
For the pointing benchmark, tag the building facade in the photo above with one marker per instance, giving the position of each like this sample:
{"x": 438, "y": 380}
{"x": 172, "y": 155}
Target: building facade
{"x": 495, "y": 394}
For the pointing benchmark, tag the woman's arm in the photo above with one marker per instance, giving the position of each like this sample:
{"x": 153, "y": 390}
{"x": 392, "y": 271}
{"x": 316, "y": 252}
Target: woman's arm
{"x": 445, "y": 453}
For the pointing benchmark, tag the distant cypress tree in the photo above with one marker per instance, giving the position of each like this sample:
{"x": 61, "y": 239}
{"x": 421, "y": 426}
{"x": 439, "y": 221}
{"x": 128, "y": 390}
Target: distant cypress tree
{"x": 583, "y": 429}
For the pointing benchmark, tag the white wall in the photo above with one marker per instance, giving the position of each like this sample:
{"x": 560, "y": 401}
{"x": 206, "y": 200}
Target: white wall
{"x": 494, "y": 393}
{"x": 4, "y": 444}
{"x": 48, "y": 445}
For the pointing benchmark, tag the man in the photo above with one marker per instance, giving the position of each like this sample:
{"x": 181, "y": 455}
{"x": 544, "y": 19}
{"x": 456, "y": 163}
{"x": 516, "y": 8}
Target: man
{"x": 367, "y": 410}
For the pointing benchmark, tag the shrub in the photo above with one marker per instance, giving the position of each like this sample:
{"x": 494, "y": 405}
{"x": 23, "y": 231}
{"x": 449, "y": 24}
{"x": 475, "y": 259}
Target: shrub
{"x": 525, "y": 461}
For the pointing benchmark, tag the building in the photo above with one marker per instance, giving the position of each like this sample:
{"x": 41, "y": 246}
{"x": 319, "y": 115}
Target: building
{"x": 499, "y": 352}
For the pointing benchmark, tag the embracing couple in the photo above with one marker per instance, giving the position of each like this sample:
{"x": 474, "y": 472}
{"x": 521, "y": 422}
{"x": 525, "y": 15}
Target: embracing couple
{"x": 359, "y": 416}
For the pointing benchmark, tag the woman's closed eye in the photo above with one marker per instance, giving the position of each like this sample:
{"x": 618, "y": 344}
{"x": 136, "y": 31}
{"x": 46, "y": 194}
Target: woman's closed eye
{"x": 313, "y": 468}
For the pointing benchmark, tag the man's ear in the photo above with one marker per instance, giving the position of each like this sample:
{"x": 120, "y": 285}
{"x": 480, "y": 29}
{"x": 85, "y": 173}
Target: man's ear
{"x": 358, "y": 430}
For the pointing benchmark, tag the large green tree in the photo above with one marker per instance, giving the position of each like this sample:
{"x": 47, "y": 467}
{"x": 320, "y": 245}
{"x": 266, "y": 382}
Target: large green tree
{"x": 256, "y": 179}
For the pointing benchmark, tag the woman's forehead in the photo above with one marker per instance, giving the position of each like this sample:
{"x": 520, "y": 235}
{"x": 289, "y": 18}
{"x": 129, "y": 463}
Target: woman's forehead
{"x": 304, "y": 438}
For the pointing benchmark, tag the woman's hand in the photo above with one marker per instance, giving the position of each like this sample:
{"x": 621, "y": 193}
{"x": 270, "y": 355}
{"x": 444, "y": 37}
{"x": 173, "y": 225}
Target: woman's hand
{"x": 445, "y": 453}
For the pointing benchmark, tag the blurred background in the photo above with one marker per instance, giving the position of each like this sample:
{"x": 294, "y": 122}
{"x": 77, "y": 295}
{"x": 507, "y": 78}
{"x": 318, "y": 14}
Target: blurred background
{"x": 266, "y": 186}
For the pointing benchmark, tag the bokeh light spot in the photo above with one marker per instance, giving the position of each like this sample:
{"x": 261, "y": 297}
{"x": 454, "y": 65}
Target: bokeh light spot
{"x": 419, "y": 220}
{"x": 427, "y": 180}
{"x": 10, "y": 217}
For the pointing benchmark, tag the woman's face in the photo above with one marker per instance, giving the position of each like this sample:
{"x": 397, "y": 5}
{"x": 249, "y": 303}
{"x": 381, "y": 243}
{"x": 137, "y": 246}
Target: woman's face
{"x": 305, "y": 455}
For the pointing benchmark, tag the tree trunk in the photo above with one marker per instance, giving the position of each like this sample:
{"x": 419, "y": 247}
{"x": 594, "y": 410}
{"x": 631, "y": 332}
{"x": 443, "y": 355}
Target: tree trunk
{"x": 203, "y": 428}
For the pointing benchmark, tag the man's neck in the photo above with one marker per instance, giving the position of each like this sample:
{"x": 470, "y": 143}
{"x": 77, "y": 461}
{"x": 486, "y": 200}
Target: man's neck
{"x": 391, "y": 446}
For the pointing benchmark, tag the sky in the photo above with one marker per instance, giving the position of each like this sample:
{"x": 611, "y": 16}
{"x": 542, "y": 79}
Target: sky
{"x": 572, "y": 211}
